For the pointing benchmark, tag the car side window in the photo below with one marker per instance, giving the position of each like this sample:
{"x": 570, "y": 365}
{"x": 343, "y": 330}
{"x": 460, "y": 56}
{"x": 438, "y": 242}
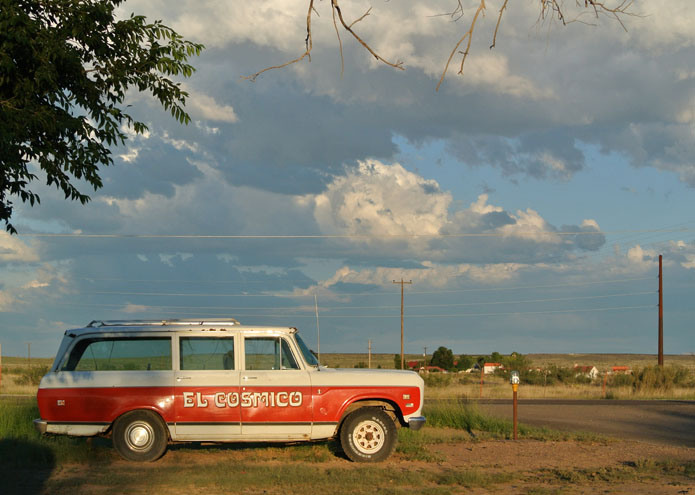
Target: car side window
{"x": 268, "y": 353}
{"x": 206, "y": 353}
{"x": 120, "y": 354}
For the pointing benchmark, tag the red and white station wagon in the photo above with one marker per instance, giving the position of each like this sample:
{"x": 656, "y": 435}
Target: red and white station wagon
{"x": 147, "y": 383}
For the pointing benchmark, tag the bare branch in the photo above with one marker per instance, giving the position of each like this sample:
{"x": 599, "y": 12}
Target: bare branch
{"x": 455, "y": 14}
{"x": 340, "y": 42}
{"x": 548, "y": 10}
{"x": 348, "y": 28}
{"x": 499, "y": 18}
{"x": 308, "y": 43}
{"x": 469, "y": 35}
{"x": 363, "y": 16}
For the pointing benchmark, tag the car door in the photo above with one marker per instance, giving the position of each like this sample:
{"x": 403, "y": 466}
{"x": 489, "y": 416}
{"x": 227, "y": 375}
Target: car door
{"x": 275, "y": 392}
{"x": 207, "y": 402}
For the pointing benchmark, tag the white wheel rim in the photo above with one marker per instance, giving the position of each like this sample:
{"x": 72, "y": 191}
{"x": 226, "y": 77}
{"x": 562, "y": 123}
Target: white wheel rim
{"x": 139, "y": 436}
{"x": 369, "y": 437}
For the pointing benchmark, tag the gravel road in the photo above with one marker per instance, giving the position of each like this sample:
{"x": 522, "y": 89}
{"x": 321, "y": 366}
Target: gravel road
{"x": 667, "y": 422}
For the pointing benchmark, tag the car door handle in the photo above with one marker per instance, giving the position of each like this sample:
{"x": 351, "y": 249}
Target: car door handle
{"x": 179, "y": 378}
{"x": 250, "y": 378}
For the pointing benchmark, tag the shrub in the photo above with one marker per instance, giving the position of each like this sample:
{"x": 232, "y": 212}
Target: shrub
{"x": 30, "y": 375}
{"x": 438, "y": 379}
{"x": 660, "y": 377}
{"x": 621, "y": 380}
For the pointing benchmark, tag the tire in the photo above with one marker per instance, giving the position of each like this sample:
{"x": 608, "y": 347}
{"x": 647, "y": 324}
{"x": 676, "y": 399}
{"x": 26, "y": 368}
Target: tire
{"x": 368, "y": 435}
{"x": 140, "y": 436}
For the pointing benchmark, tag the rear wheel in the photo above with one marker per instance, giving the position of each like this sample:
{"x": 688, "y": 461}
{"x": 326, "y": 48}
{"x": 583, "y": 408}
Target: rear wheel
{"x": 140, "y": 436}
{"x": 368, "y": 435}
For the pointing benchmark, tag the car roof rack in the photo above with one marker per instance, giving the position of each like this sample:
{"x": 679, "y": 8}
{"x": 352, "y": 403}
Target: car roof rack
{"x": 152, "y": 323}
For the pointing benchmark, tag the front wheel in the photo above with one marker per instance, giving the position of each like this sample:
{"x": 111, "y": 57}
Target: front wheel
{"x": 140, "y": 436}
{"x": 368, "y": 435}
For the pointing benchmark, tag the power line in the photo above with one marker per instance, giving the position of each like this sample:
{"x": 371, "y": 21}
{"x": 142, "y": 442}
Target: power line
{"x": 459, "y": 315}
{"x": 348, "y": 236}
{"x": 330, "y": 308}
{"x": 383, "y": 293}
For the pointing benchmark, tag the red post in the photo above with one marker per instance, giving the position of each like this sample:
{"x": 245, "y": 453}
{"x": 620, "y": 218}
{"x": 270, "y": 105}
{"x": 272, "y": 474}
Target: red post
{"x": 605, "y": 379}
{"x": 661, "y": 314}
{"x": 515, "y": 415}
{"x": 482, "y": 371}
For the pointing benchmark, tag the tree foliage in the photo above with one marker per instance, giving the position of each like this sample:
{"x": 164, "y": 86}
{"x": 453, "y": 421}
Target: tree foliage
{"x": 443, "y": 357}
{"x": 465, "y": 362}
{"x": 65, "y": 67}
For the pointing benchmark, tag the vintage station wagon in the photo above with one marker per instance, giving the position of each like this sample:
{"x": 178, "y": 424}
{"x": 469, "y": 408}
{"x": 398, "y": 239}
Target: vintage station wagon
{"x": 146, "y": 383}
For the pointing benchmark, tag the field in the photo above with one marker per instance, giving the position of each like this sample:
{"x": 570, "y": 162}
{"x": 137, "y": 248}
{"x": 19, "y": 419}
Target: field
{"x": 461, "y": 451}
{"x": 601, "y": 361}
{"x": 20, "y": 379}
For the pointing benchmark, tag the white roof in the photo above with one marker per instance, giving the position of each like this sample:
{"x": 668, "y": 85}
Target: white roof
{"x": 140, "y": 326}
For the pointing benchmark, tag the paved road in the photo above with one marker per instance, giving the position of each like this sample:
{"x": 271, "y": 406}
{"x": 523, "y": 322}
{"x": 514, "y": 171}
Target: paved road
{"x": 668, "y": 422}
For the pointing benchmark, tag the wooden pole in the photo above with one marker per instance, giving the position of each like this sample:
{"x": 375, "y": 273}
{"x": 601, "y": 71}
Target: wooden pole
{"x": 0, "y": 367}
{"x": 661, "y": 314}
{"x": 318, "y": 329}
{"x": 402, "y": 282}
{"x": 369, "y": 359}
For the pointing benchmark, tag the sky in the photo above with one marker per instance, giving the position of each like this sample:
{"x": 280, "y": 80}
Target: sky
{"x": 527, "y": 200}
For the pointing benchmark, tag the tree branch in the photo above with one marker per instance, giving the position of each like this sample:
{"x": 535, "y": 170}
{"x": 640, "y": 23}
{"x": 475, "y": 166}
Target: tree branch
{"x": 308, "y": 43}
{"x": 469, "y": 35}
{"x": 548, "y": 9}
{"x": 348, "y": 28}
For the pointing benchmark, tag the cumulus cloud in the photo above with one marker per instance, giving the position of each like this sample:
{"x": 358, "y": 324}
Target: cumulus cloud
{"x": 378, "y": 199}
{"x": 14, "y": 250}
{"x": 205, "y": 107}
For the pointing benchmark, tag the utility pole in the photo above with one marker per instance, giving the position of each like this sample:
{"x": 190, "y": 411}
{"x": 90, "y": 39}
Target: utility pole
{"x": 661, "y": 314}
{"x": 402, "y": 282}
{"x": 29, "y": 352}
{"x": 369, "y": 358}
{"x": 318, "y": 329}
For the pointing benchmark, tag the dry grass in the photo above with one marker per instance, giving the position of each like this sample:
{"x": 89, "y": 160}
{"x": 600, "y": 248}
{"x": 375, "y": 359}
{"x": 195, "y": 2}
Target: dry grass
{"x": 606, "y": 361}
{"x": 493, "y": 388}
{"x": 502, "y": 390}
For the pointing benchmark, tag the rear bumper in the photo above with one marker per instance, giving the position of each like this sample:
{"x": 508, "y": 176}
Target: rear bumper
{"x": 416, "y": 422}
{"x": 74, "y": 429}
{"x": 40, "y": 426}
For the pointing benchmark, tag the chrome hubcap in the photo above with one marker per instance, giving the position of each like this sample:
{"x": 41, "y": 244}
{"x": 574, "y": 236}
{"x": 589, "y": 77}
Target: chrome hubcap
{"x": 139, "y": 436}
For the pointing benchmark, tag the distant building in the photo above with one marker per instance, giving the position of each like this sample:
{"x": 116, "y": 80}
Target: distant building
{"x": 490, "y": 368}
{"x": 413, "y": 365}
{"x": 435, "y": 369}
{"x": 625, "y": 370}
{"x": 590, "y": 371}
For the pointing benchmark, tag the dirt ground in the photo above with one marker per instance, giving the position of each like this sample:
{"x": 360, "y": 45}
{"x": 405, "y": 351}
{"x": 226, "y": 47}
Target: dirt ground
{"x": 525, "y": 467}
{"x": 669, "y": 422}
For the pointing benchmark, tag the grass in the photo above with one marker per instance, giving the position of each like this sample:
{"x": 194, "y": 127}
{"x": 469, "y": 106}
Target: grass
{"x": 21, "y": 444}
{"x": 467, "y": 417}
{"x": 34, "y": 464}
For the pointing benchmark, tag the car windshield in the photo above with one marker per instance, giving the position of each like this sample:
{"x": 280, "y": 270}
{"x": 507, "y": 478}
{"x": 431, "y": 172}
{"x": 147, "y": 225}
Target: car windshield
{"x": 309, "y": 356}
